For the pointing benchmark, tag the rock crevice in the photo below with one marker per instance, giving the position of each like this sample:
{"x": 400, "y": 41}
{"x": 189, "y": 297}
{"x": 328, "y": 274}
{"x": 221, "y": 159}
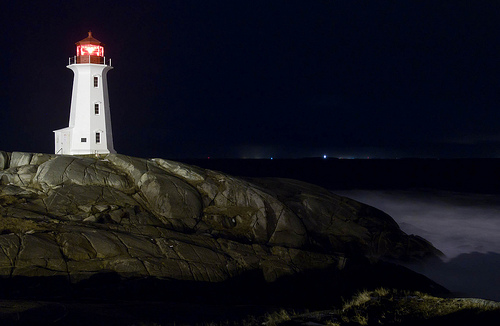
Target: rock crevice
{"x": 81, "y": 216}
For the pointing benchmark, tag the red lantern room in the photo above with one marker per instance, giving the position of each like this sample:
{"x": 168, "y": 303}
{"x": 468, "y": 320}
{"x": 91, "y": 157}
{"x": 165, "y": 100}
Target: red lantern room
{"x": 90, "y": 50}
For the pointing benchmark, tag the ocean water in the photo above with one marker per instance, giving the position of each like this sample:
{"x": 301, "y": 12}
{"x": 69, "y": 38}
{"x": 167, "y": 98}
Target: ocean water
{"x": 464, "y": 226}
{"x": 453, "y": 203}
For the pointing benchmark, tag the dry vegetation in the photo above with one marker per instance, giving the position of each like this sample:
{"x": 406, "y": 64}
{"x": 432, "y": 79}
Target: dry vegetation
{"x": 383, "y": 307}
{"x": 389, "y": 307}
{"x": 277, "y": 318}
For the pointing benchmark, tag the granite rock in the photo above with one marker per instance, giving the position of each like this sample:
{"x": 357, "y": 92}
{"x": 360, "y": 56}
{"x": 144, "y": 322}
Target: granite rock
{"x": 81, "y": 216}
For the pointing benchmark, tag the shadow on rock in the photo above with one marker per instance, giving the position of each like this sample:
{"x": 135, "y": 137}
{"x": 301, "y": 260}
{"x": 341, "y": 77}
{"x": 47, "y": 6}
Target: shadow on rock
{"x": 167, "y": 301}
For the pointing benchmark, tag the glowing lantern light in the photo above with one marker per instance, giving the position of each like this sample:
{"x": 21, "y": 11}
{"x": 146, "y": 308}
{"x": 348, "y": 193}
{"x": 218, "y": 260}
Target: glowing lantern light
{"x": 90, "y": 50}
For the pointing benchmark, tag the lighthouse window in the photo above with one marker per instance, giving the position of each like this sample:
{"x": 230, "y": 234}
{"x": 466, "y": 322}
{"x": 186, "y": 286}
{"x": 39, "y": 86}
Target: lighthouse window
{"x": 98, "y": 137}
{"x": 96, "y": 82}
{"x": 96, "y": 108}
{"x": 84, "y": 140}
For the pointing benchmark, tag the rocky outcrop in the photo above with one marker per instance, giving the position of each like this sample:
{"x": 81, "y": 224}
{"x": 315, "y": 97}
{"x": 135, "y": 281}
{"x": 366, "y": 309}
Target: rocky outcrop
{"x": 80, "y": 216}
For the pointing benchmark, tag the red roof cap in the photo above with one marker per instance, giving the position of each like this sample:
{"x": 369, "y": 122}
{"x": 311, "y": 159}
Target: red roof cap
{"x": 90, "y": 40}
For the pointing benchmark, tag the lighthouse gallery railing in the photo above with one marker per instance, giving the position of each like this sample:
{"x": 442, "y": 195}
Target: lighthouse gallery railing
{"x": 88, "y": 59}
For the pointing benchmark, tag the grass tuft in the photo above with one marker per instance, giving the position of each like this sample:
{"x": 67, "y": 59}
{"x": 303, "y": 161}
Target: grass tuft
{"x": 358, "y": 300}
{"x": 277, "y": 317}
{"x": 384, "y": 306}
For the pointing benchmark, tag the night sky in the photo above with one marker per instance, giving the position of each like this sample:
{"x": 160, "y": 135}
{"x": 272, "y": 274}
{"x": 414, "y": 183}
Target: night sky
{"x": 258, "y": 79}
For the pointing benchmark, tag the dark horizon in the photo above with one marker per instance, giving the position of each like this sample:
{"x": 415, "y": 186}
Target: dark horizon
{"x": 261, "y": 79}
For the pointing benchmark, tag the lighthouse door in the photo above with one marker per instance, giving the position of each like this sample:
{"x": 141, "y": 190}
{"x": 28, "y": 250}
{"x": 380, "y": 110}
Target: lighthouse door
{"x": 63, "y": 139}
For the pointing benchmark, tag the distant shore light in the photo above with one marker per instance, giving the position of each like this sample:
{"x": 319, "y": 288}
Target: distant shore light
{"x": 324, "y": 156}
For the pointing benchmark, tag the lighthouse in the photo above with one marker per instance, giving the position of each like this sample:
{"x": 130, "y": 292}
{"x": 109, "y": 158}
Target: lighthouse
{"x": 89, "y": 130}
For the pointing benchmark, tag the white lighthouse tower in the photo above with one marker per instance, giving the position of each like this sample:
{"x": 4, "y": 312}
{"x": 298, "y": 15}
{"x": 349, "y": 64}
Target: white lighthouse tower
{"x": 89, "y": 130}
